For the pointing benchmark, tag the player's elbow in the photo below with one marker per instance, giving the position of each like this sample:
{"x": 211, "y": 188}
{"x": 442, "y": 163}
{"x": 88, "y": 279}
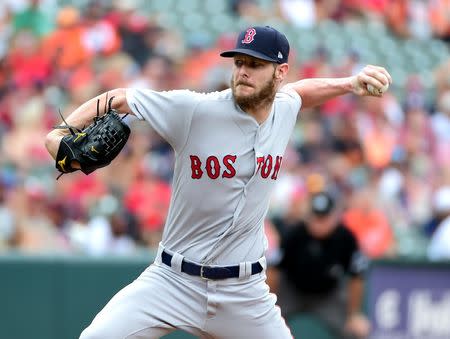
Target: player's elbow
{"x": 120, "y": 100}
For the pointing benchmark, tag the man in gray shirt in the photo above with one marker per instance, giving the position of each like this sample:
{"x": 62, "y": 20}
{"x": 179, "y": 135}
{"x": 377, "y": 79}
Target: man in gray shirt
{"x": 209, "y": 274}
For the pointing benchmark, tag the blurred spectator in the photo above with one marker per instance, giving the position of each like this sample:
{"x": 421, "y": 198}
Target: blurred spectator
{"x": 441, "y": 77}
{"x": 318, "y": 66}
{"x": 372, "y": 9}
{"x": 106, "y": 232}
{"x": 439, "y": 11}
{"x": 64, "y": 46}
{"x": 158, "y": 73}
{"x": 377, "y": 135}
{"x": 148, "y": 199}
{"x": 369, "y": 224}
{"x": 300, "y": 13}
{"x": 249, "y": 10}
{"x": 415, "y": 93}
{"x": 198, "y": 62}
{"x": 321, "y": 270}
{"x": 308, "y": 13}
{"x": 409, "y": 18}
{"x": 133, "y": 29}
{"x": 99, "y": 35}
{"x": 7, "y": 222}
{"x": 439, "y": 247}
{"x": 440, "y": 124}
{"x": 314, "y": 146}
{"x": 28, "y": 125}
{"x": 29, "y": 66}
{"x": 34, "y": 19}
{"x": 37, "y": 232}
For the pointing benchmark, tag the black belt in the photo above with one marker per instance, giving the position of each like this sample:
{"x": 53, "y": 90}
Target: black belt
{"x": 209, "y": 272}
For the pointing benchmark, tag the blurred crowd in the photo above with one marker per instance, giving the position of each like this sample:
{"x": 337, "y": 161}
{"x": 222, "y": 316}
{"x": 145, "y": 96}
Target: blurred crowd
{"x": 387, "y": 159}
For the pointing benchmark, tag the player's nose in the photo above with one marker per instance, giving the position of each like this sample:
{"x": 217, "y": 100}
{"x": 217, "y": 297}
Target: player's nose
{"x": 242, "y": 72}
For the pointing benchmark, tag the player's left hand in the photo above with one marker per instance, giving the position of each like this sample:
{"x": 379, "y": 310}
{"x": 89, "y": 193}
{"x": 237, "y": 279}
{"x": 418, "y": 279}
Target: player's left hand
{"x": 376, "y": 77}
{"x": 358, "y": 325}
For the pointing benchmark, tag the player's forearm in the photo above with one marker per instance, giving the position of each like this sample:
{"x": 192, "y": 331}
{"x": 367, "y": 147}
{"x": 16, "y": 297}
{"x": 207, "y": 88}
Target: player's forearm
{"x": 84, "y": 115}
{"x": 316, "y": 91}
{"x": 355, "y": 294}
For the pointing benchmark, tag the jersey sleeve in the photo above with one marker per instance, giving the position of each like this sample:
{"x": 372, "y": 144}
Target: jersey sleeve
{"x": 294, "y": 99}
{"x": 169, "y": 113}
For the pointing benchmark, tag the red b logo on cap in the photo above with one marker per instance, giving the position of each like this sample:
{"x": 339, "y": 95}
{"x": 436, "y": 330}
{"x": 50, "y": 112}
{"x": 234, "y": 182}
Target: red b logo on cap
{"x": 249, "y": 36}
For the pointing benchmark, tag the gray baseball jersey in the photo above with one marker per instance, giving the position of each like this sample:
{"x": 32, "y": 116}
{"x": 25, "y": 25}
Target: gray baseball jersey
{"x": 226, "y": 166}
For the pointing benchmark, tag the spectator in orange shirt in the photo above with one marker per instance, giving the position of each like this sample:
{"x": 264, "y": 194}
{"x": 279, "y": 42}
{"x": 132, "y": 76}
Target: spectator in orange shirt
{"x": 64, "y": 47}
{"x": 369, "y": 224}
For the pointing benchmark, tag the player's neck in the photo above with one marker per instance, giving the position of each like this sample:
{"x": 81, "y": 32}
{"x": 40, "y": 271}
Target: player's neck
{"x": 260, "y": 113}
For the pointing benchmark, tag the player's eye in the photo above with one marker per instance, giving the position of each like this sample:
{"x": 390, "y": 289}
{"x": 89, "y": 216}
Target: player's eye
{"x": 238, "y": 63}
{"x": 255, "y": 64}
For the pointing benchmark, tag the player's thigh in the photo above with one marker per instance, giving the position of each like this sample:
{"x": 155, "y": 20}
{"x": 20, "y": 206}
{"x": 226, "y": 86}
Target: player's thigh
{"x": 262, "y": 320}
{"x": 146, "y": 308}
{"x": 249, "y": 311}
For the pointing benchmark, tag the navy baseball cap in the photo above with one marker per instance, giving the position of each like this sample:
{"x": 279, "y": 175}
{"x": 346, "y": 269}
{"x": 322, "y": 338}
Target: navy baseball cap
{"x": 261, "y": 42}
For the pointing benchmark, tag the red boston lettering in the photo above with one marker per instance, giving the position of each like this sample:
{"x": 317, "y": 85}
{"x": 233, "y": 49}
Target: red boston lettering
{"x": 259, "y": 161}
{"x": 228, "y": 161}
{"x": 212, "y": 167}
{"x": 277, "y": 167}
{"x": 196, "y": 167}
{"x": 266, "y": 164}
{"x": 267, "y": 167}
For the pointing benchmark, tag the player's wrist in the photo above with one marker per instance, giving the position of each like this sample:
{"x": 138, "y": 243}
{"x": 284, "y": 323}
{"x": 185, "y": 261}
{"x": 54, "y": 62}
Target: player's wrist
{"x": 52, "y": 141}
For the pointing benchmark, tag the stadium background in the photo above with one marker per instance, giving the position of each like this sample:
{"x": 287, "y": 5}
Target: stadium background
{"x": 67, "y": 245}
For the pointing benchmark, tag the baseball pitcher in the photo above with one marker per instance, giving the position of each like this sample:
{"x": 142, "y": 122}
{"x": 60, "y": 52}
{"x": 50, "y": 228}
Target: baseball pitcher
{"x": 208, "y": 277}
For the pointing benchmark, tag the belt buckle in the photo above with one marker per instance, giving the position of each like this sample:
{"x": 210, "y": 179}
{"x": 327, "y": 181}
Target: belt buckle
{"x": 201, "y": 273}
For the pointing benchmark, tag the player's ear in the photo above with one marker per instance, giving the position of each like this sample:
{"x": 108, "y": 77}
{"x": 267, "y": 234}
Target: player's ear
{"x": 281, "y": 71}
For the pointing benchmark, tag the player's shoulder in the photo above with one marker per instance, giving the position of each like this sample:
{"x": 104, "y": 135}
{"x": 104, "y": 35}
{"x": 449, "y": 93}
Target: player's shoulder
{"x": 179, "y": 95}
{"x": 205, "y": 96}
{"x": 288, "y": 93}
{"x": 288, "y": 100}
{"x": 216, "y": 95}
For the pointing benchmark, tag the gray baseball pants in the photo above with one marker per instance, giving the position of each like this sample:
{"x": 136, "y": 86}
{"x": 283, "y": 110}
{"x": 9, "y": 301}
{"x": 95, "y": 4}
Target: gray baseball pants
{"x": 163, "y": 299}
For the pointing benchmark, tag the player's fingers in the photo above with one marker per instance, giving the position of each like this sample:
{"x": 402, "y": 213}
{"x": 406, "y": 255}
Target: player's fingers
{"x": 379, "y": 70}
{"x": 379, "y": 73}
{"x": 373, "y": 80}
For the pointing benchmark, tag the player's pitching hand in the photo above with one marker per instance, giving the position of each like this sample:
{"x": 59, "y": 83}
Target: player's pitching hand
{"x": 371, "y": 81}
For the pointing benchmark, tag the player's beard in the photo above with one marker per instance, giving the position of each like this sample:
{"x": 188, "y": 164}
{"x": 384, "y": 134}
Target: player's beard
{"x": 264, "y": 96}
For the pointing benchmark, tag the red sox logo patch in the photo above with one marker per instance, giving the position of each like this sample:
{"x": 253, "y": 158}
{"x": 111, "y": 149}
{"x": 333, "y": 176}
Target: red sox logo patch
{"x": 249, "y": 36}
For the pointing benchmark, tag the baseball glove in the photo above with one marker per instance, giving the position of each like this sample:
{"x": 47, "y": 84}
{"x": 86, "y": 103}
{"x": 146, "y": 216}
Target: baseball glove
{"x": 92, "y": 147}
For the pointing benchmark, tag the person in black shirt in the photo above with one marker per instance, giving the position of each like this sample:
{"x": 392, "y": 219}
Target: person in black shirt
{"x": 321, "y": 270}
